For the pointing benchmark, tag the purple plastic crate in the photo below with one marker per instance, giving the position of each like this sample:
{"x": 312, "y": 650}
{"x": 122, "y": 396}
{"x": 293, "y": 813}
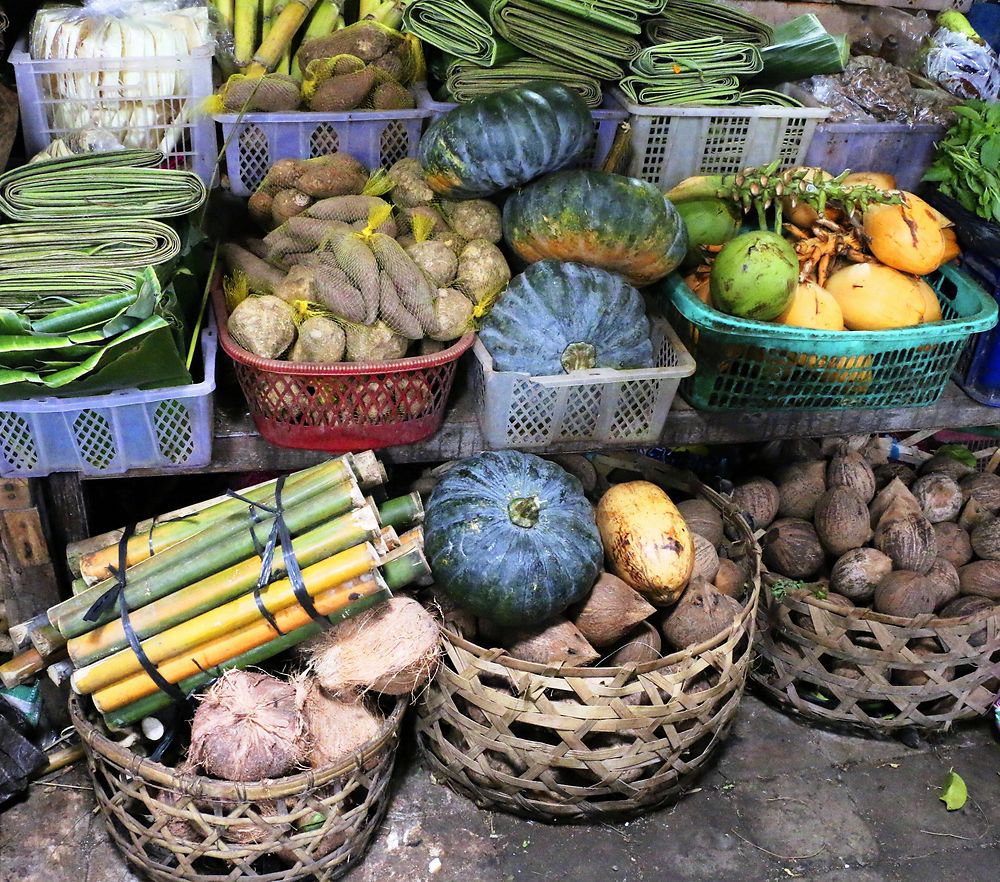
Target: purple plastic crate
{"x": 253, "y": 142}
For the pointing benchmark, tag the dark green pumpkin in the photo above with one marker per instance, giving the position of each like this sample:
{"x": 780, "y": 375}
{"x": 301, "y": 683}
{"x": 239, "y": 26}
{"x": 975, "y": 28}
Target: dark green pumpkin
{"x": 610, "y": 221}
{"x": 511, "y": 538}
{"x": 505, "y": 139}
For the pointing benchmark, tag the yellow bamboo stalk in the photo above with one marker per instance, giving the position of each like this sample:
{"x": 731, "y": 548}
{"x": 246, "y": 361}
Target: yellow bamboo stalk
{"x": 224, "y": 619}
{"x": 219, "y": 651}
{"x": 279, "y": 39}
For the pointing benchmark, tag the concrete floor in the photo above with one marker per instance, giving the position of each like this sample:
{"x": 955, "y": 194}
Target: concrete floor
{"x": 784, "y": 801}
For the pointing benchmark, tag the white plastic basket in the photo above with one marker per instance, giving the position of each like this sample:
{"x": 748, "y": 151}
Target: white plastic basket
{"x": 594, "y": 406}
{"x": 61, "y": 98}
{"x": 670, "y": 144}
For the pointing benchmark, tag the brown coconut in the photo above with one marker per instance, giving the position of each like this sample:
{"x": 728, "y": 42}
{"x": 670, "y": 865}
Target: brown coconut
{"x": 908, "y": 540}
{"x": 611, "y": 610}
{"x": 939, "y": 496}
{"x": 800, "y": 486}
{"x": 557, "y": 642}
{"x": 969, "y": 605}
{"x": 792, "y": 548}
{"x": 730, "y": 578}
{"x": 981, "y": 577}
{"x": 706, "y": 559}
{"x": 851, "y": 469}
{"x": 914, "y": 677}
{"x": 953, "y": 543}
{"x": 758, "y": 499}
{"x": 700, "y": 614}
{"x": 905, "y": 594}
{"x": 973, "y": 514}
{"x": 641, "y": 647}
{"x": 835, "y": 599}
{"x": 393, "y": 648}
{"x": 984, "y": 487}
{"x": 858, "y": 573}
{"x": 841, "y": 520}
{"x": 985, "y": 539}
{"x": 703, "y": 519}
{"x": 249, "y": 726}
{"x": 885, "y": 474}
{"x": 942, "y": 464}
{"x": 894, "y": 497}
{"x": 944, "y": 578}
{"x": 338, "y": 729}
{"x": 800, "y": 450}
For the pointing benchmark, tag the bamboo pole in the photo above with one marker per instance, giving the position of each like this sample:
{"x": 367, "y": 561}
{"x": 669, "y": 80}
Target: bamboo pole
{"x": 20, "y": 633}
{"x": 277, "y": 42}
{"x": 230, "y": 646}
{"x": 47, "y": 640}
{"x": 402, "y": 512}
{"x": 78, "y": 586}
{"x": 353, "y": 528}
{"x": 222, "y": 620}
{"x": 245, "y": 20}
{"x": 406, "y": 559}
{"x": 213, "y": 549}
{"x": 60, "y": 672}
{"x": 394, "y": 580}
{"x": 21, "y": 668}
{"x": 61, "y": 758}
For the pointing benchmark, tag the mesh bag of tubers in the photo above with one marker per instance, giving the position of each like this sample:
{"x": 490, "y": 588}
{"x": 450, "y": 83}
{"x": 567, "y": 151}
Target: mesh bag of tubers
{"x": 882, "y": 587}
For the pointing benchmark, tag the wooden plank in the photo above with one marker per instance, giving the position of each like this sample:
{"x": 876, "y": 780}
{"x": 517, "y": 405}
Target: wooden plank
{"x": 32, "y": 587}
{"x": 14, "y": 493}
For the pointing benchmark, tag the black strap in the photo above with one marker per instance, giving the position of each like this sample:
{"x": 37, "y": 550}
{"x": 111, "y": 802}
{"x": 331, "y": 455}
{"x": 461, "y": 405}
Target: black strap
{"x": 149, "y": 536}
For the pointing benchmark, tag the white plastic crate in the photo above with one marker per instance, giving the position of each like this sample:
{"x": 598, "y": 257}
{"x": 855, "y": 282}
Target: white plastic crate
{"x": 670, "y": 144}
{"x": 594, "y": 406}
{"x": 61, "y": 98}
{"x": 108, "y": 434}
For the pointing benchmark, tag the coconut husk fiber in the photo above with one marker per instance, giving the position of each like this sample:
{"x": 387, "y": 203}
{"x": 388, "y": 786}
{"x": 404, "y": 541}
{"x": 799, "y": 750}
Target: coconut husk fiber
{"x": 338, "y": 729}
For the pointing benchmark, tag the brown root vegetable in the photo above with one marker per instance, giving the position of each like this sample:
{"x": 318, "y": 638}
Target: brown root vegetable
{"x": 272, "y": 93}
{"x": 474, "y": 219}
{"x": 953, "y": 543}
{"x": 730, "y": 578}
{"x": 702, "y": 518}
{"x": 482, "y": 269}
{"x": 320, "y": 341}
{"x": 981, "y": 577}
{"x": 969, "y": 605}
{"x": 259, "y": 206}
{"x": 298, "y": 284}
{"x": 905, "y": 594}
{"x": 706, "y": 559}
{"x": 391, "y": 95}
{"x": 895, "y": 495}
{"x": 800, "y": 486}
{"x": 362, "y": 40}
{"x": 284, "y": 173}
{"x": 701, "y": 614}
{"x": 892, "y": 470}
{"x": 450, "y": 238}
{"x": 641, "y": 647}
{"x": 438, "y": 262}
{"x": 261, "y": 276}
{"x": 288, "y": 203}
{"x": 332, "y": 175}
{"x": 792, "y": 548}
{"x": 338, "y": 729}
{"x": 392, "y": 649}
{"x": 249, "y": 726}
{"x": 942, "y": 464}
{"x": 452, "y": 315}
{"x": 915, "y": 677}
{"x": 985, "y": 539}
{"x": 851, "y": 469}
{"x": 557, "y": 642}
{"x": 984, "y": 487}
{"x": 263, "y": 326}
{"x": 939, "y": 496}
{"x": 841, "y": 520}
{"x": 758, "y": 499}
{"x": 410, "y": 187}
{"x": 425, "y": 217}
{"x": 579, "y": 467}
{"x": 345, "y": 92}
{"x": 374, "y": 343}
{"x": 858, "y": 573}
{"x": 909, "y": 541}
{"x": 611, "y": 610}
{"x": 945, "y": 582}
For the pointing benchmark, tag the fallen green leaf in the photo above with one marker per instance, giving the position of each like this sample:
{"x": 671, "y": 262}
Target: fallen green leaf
{"x": 954, "y": 792}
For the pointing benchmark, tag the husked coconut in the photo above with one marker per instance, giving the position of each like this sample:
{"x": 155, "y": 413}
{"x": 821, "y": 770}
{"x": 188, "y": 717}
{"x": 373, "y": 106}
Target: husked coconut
{"x": 758, "y": 499}
{"x": 858, "y": 573}
{"x": 700, "y": 614}
{"x": 942, "y": 464}
{"x": 917, "y": 677}
{"x": 973, "y": 514}
{"x": 792, "y": 548}
{"x": 800, "y": 450}
{"x": 729, "y": 578}
{"x": 800, "y": 486}
{"x": 984, "y": 487}
{"x": 557, "y": 642}
{"x": 945, "y": 581}
{"x": 939, "y": 496}
{"x": 885, "y": 474}
{"x": 896, "y": 496}
{"x": 905, "y": 594}
{"x": 909, "y": 541}
{"x": 841, "y": 520}
{"x": 706, "y": 559}
{"x": 851, "y": 469}
{"x": 985, "y": 539}
{"x": 639, "y": 648}
{"x": 703, "y": 519}
{"x": 953, "y": 543}
{"x": 611, "y": 610}
{"x": 981, "y": 577}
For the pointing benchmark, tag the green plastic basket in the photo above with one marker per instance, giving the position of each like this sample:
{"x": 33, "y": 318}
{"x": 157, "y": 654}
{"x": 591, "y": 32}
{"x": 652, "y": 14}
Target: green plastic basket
{"x": 748, "y": 365}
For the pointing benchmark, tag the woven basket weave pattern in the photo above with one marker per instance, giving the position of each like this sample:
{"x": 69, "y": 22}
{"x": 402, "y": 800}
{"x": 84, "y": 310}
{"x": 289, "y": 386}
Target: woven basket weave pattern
{"x": 175, "y": 826}
{"x": 824, "y": 663}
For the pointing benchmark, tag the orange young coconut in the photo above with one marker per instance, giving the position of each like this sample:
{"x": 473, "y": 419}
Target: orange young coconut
{"x": 813, "y": 307}
{"x": 952, "y": 250}
{"x": 803, "y": 215}
{"x": 880, "y": 180}
{"x": 906, "y": 236}
{"x": 932, "y": 306}
{"x": 698, "y": 281}
{"x": 876, "y": 298}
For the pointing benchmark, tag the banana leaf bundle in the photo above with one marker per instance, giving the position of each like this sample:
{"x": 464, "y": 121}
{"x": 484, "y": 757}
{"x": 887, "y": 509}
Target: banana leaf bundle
{"x": 682, "y": 89}
{"x": 802, "y": 48}
{"x": 457, "y": 29}
{"x": 466, "y": 82}
{"x": 33, "y": 292}
{"x": 766, "y": 98}
{"x": 691, "y": 19}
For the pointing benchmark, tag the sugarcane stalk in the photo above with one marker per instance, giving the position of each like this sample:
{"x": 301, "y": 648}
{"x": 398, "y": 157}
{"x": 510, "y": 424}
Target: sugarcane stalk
{"x": 353, "y": 528}
{"x": 366, "y": 8}
{"x": 322, "y": 20}
{"x": 396, "y": 579}
{"x": 60, "y": 672}
{"x": 268, "y": 11}
{"x": 228, "y": 647}
{"x": 389, "y": 13}
{"x": 153, "y": 538}
{"x": 216, "y": 623}
{"x": 47, "y": 640}
{"x": 210, "y": 551}
{"x": 20, "y": 633}
{"x": 402, "y": 512}
{"x": 245, "y": 19}
{"x": 280, "y": 38}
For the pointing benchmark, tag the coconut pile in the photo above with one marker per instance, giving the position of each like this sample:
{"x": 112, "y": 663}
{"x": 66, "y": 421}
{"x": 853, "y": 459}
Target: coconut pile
{"x": 863, "y": 532}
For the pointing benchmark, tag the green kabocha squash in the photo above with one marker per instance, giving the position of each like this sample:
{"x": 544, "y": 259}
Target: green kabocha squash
{"x": 505, "y": 140}
{"x": 511, "y": 538}
{"x": 611, "y": 221}
{"x": 558, "y": 316}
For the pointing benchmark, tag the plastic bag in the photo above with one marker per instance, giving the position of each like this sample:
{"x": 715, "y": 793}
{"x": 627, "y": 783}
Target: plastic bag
{"x": 962, "y": 66}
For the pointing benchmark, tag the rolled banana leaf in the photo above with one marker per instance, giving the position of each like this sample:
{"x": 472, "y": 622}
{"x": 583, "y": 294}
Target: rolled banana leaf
{"x": 802, "y": 48}
{"x": 457, "y": 29}
{"x": 618, "y": 15}
{"x": 708, "y": 57}
{"x": 34, "y": 292}
{"x": 691, "y": 19}
{"x": 682, "y": 89}
{"x": 766, "y": 98}
{"x": 466, "y": 82}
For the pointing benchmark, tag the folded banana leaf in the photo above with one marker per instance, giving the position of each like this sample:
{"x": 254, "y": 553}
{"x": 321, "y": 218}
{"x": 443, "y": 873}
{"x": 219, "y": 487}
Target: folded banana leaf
{"x": 457, "y": 29}
{"x": 561, "y": 38}
{"x": 682, "y": 89}
{"x": 708, "y": 57}
{"x": 35, "y": 292}
{"x": 766, "y": 98}
{"x": 802, "y": 48}
{"x": 691, "y": 19}
{"x": 466, "y": 82}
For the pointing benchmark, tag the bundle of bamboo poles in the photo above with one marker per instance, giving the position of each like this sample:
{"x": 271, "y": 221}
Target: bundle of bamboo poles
{"x": 189, "y": 587}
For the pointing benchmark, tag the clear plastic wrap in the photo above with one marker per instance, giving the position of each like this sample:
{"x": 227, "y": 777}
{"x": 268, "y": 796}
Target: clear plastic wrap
{"x": 963, "y": 66}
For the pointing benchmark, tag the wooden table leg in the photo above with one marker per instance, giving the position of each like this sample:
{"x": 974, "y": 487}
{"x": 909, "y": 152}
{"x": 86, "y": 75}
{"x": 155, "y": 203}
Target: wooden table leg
{"x": 65, "y": 511}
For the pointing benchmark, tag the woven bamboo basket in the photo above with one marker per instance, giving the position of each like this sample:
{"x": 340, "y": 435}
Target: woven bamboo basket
{"x": 841, "y": 667}
{"x": 563, "y": 743}
{"x": 176, "y": 826}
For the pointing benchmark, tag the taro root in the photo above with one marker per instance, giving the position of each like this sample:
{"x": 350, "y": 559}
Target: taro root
{"x": 985, "y": 539}
{"x": 263, "y": 326}
{"x": 939, "y": 496}
{"x": 851, "y": 469}
{"x": 611, "y": 610}
{"x": 641, "y": 647}
{"x": 320, "y": 341}
{"x": 792, "y": 549}
{"x": 703, "y": 519}
{"x": 896, "y": 496}
{"x": 984, "y": 488}
{"x": 706, "y": 559}
{"x": 557, "y": 642}
{"x": 944, "y": 579}
{"x": 730, "y": 578}
{"x": 759, "y": 500}
{"x": 942, "y": 464}
{"x": 800, "y": 486}
{"x": 953, "y": 543}
{"x": 438, "y": 262}
{"x": 700, "y": 614}
{"x": 905, "y": 594}
{"x": 909, "y": 541}
{"x": 858, "y": 573}
{"x": 885, "y": 474}
{"x": 841, "y": 520}
{"x": 981, "y": 577}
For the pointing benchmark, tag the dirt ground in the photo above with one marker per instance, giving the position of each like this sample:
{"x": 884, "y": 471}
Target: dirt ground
{"x": 784, "y": 801}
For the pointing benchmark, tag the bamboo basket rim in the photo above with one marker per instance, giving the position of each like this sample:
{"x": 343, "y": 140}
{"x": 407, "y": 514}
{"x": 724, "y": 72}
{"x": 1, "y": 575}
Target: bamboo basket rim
{"x": 204, "y": 787}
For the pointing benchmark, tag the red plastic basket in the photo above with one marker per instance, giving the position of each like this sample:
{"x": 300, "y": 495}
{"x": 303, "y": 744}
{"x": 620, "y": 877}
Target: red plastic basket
{"x": 343, "y": 407}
